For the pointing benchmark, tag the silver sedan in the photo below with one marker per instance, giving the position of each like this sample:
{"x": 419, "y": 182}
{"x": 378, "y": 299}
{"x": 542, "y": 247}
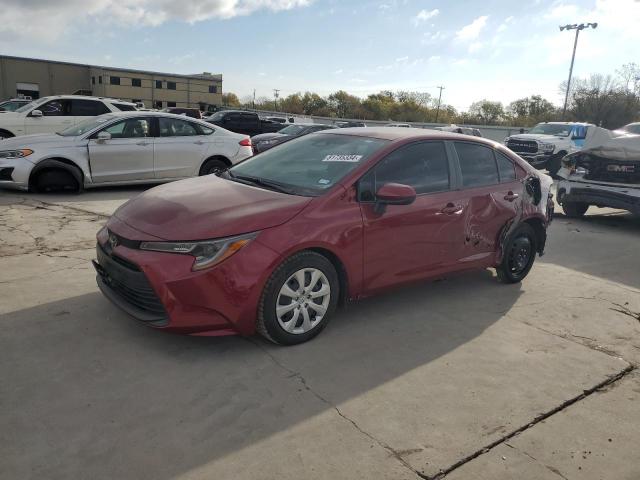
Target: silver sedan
{"x": 119, "y": 149}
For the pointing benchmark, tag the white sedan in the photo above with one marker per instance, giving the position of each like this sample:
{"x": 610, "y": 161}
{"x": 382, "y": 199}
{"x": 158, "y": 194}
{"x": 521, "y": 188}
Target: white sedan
{"x": 120, "y": 149}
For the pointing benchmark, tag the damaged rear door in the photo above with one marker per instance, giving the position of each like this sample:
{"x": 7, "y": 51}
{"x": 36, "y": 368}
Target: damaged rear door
{"x": 491, "y": 192}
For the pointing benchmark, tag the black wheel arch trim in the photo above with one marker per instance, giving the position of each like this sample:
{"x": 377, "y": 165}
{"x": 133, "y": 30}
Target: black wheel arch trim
{"x": 60, "y": 163}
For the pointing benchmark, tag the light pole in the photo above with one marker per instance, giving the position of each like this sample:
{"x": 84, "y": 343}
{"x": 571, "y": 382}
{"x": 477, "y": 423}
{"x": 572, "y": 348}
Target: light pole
{"x": 439, "y": 100}
{"x": 577, "y": 28}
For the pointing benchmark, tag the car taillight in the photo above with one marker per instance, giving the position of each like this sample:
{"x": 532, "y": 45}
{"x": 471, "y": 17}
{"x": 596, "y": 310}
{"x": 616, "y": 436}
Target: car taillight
{"x": 245, "y": 142}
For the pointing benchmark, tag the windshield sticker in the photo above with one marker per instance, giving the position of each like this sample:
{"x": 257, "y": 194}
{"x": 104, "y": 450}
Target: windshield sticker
{"x": 324, "y": 181}
{"x": 342, "y": 158}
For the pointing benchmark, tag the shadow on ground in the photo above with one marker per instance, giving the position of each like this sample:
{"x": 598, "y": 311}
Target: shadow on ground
{"x": 93, "y": 394}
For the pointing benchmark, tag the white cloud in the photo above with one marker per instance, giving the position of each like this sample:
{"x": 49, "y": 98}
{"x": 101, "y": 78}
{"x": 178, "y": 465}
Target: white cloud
{"x": 424, "y": 15}
{"x": 402, "y": 59}
{"x": 475, "y": 46}
{"x": 41, "y": 14}
{"x": 505, "y": 24}
{"x": 338, "y": 72}
{"x": 472, "y": 31}
{"x": 430, "y": 38}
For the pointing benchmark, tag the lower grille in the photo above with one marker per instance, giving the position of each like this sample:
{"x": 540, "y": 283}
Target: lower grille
{"x": 130, "y": 285}
{"x": 5, "y": 173}
{"x": 522, "y": 146}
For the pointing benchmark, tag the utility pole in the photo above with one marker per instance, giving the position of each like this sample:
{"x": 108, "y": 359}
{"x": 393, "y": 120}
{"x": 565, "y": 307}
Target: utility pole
{"x": 276, "y": 93}
{"x": 254, "y": 99}
{"x": 439, "y": 101}
{"x": 577, "y": 28}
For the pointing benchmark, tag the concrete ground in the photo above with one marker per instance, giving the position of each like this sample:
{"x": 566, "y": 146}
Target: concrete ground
{"x": 462, "y": 378}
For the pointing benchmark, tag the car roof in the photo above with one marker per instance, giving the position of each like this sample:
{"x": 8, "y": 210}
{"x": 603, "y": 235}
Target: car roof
{"x": 85, "y": 97}
{"x": 402, "y": 133}
{"x": 566, "y": 123}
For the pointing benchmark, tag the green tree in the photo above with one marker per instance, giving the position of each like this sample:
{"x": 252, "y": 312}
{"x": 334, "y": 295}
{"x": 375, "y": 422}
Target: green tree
{"x": 487, "y": 112}
{"x": 230, "y": 99}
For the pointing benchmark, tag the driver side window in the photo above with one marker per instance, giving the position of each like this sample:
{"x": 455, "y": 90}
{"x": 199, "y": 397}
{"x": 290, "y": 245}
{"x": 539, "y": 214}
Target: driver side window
{"x": 55, "y": 108}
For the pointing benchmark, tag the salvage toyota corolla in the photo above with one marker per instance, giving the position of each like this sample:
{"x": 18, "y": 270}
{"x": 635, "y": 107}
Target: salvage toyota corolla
{"x": 274, "y": 244}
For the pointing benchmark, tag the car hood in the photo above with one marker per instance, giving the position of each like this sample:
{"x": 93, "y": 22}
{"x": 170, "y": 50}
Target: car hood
{"x": 536, "y": 136}
{"x": 23, "y": 141}
{"x": 207, "y": 207}
{"x": 266, "y": 136}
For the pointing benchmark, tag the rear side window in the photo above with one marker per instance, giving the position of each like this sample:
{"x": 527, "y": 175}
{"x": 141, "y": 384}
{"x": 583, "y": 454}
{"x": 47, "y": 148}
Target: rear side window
{"x": 88, "y": 108}
{"x": 423, "y": 166}
{"x": 506, "y": 168}
{"x": 130, "y": 128}
{"x": 170, "y": 127}
{"x": 124, "y": 107}
{"x": 477, "y": 165}
{"x": 248, "y": 119}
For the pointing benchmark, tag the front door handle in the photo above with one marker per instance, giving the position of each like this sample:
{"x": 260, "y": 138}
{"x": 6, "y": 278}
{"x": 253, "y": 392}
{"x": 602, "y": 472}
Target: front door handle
{"x": 510, "y": 197}
{"x": 451, "y": 209}
{"x": 143, "y": 144}
{"x": 199, "y": 142}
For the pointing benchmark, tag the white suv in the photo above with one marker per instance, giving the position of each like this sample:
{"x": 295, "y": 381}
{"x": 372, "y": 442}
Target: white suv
{"x": 52, "y": 114}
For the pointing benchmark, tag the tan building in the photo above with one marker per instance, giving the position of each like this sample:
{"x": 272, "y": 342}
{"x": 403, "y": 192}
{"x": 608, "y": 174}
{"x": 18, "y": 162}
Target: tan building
{"x": 39, "y": 78}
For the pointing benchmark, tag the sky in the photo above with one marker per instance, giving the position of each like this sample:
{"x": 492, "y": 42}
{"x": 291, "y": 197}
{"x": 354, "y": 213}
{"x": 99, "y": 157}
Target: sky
{"x": 494, "y": 49}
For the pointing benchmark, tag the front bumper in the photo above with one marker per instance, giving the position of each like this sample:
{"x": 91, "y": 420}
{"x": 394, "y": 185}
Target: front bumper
{"x": 15, "y": 173}
{"x": 222, "y": 300}
{"x": 537, "y": 160}
{"x": 593, "y": 193}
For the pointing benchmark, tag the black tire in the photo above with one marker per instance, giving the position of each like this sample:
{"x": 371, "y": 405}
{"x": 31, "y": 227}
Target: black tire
{"x": 554, "y": 164}
{"x": 519, "y": 254}
{"x": 575, "y": 209}
{"x": 267, "y": 323}
{"x": 213, "y": 166}
{"x": 56, "y": 180}
{"x": 4, "y": 134}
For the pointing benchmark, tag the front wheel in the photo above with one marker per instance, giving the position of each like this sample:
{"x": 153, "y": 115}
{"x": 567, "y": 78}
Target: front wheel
{"x": 519, "y": 254}
{"x": 298, "y": 299}
{"x": 575, "y": 209}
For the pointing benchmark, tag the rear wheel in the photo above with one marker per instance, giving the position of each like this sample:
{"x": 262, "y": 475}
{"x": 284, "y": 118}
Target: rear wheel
{"x": 298, "y": 299}
{"x": 56, "y": 180}
{"x": 519, "y": 255}
{"x": 213, "y": 166}
{"x": 4, "y": 134}
{"x": 575, "y": 209}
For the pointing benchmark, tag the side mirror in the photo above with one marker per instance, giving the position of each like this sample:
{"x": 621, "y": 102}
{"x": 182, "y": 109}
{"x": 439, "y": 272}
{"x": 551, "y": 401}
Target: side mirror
{"x": 393, "y": 194}
{"x": 36, "y": 113}
{"x": 103, "y": 137}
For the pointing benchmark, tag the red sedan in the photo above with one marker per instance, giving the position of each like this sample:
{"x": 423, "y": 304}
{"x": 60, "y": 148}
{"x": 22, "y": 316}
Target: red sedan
{"x": 278, "y": 241}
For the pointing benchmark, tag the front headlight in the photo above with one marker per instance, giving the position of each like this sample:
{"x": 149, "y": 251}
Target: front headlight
{"x": 206, "y": 252}
{"x": 546, "y": 147}
{"x": 10, "y": 154}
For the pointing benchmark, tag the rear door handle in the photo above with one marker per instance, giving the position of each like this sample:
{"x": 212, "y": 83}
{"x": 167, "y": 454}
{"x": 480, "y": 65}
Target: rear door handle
{"x": 510, "y": 197}
{"x": 199, "y": 142}
{"x": 451, "y": 209}
{"x": 143, "y": 144}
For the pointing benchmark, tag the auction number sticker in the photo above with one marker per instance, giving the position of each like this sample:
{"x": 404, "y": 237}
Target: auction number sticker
{"x": 342, "y": 158}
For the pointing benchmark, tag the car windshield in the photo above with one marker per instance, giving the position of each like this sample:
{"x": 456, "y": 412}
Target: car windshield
{"x": 292, "y": 130}
{"x": 632, "y": 128}
{"x": 11, "y": 106}
{"x": 27, "y": 107}
{"x": 216, "y": 116}
{"x": 86, "y": 126}
{"x": 310, "y": 164}
{"x": 551, "y": 129}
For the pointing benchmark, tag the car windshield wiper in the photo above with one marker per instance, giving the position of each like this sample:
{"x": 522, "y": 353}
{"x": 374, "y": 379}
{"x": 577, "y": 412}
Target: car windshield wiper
{"x": 261, "y": 182}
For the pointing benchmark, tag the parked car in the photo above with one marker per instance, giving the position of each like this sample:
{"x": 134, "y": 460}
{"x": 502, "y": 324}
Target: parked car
{"x": 117, "y": 149}
{"x": 247, "y": 123}
{"x": 474, "y": 132}
{"x": 189, "y": 112}
{"x": 398, "y": 125}
{"x": 631, "y": 128}
{"x": 275, "y": 243}
{"x": 13, "y": 104}
{"x": 349, "y": 124}
{"x": 51, "y": 114}
{"x": 265, "y": 141}
{"x": 606, "y": 173}
{"x": 546, "y": 143}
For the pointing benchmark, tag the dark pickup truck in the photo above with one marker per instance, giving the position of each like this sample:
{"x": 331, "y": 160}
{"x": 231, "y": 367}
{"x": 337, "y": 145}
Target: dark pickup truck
{"x": 247, "y": 123}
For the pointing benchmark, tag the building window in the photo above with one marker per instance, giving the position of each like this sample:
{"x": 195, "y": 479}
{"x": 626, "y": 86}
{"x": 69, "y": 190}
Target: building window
{"x": 100, "y": 79}
{"x": 158, "y": 104}
{"x": 93, "y": 80}
{"x": 136, "y": 82}
{"x": 158, "y": 83}
{"x": 171, "y": 85}
{"x": 213, "y": 89}
{"x": 171, "y": 104}
{"x": 114, "y": 80}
